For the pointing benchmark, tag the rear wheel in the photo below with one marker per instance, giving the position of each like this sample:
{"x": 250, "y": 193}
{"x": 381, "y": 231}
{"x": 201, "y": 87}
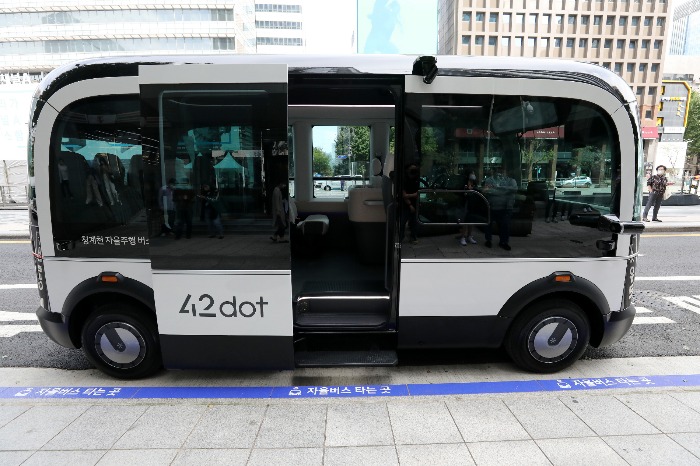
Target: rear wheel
{"x": 326, "y": 188}
{"x": 548, "y": 336}
{"x": 122, "y": 341}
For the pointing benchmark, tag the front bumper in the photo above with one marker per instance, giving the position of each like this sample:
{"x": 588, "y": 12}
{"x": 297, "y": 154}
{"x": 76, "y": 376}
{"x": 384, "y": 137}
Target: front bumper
{"x": 55, "y": 327}
{"x": 616, "y": 325}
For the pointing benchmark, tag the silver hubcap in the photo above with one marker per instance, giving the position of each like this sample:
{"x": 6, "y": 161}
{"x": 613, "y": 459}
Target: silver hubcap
{"x": 552, "y": 340}
{"x": 120, "y": 345}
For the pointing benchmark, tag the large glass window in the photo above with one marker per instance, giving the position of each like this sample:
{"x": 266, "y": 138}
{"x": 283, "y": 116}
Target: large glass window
{"x": 97, "y": 182}
{"x": 510, "y": 169}
{"x": 220, "y": 187}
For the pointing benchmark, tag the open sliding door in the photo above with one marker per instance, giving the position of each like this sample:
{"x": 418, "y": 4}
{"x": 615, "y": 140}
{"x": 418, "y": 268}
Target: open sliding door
{"x": 215, "y": 148}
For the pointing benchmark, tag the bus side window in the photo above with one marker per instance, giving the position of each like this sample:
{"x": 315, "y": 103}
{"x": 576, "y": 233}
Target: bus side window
{"x": 96, "y": 183}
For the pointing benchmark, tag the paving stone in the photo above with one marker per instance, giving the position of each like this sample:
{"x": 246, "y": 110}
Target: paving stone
{"x": 583, "y": 451}
{"x": 147, "y": 432}
{"x": 548, "y": 418}
{"x": 421, "y": 423}
{"x": 366, "y": 456}
{"x": 98, "y": 428}
{"x": 65, "y": 458}
{"x": 358, "y": 425}
{"x": 486, "y": 420}
{"x": 665, "y": 412}
{"x": 212, "y": 457}
{"x": 153, "y": 457}
{"x": 292, "y": 426}
{"x": 607, "y": 415}
{"x": 10, "y": 412}
{"x": 691, "y": 399}
{"x": 644, "y": 450}
{"x": 36, "y": 426}
{"x": 227, "y": 427}
{"x": 690, "y": 442}
{"x": 13, "y": 458}
{"x": 443, "y": 454}
{"x": 286, "y": 457}
{"x": 512, "y": 453}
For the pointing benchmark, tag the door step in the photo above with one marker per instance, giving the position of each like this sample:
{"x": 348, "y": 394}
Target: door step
{"x": 372, "y": 358}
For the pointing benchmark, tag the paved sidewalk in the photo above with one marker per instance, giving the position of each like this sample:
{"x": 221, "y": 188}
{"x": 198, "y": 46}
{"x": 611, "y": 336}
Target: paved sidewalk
{"x": 612, "y": 426}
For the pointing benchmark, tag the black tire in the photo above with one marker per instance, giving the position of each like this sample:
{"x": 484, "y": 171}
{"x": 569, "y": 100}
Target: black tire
{"x": 326, "y": 188}
{"x": 122, "y": 341}
{"x": 548, "y": 336}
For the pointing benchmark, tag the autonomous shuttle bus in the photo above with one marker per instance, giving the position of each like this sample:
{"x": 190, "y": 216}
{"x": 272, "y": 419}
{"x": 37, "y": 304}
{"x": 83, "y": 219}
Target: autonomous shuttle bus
{"x": 176, "y": 219}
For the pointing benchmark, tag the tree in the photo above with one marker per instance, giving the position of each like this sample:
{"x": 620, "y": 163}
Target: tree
{"x": 692, "y": 130}
{"x": 322, "y": 162}
{"x": 352, "y": 141}
{"x": 535, "y": 151}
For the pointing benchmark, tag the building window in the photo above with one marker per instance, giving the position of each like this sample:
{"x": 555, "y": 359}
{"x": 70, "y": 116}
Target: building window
{"x": 492, "y": 40}
{"x": 572, "y": 19}
{"x": 518, "y": 42}
{"x": 505, "y": 42}
{"x": 532, "y": 18}
{"x": 607, "y": 44}
{"x": 645, "y": 43}
{"x": 642, "y": 67}
{"x": 622, "y": 21}
{"x": 597, "y": 19}
{"x": 618, "y": 68}
{"x": 506, "y": 17}
{"x": 287, "y": 41}
{"x": 651, "y": 91}
{"x": 606, "y": 65}
{"x": 609, "y": 20}
{"x": 519, "y": 18}
{"x": 647, "y": 115}
{"x": 630, "y": 67}
{"x": 531, "y": 42}
{"x": 493, "y": 17}
{"x": 633, "y": 44}
{"x": 569, "y": 43}
{"x": 466, "y": 40}
{"x": 467, "y": 16}
{"x": 559, "y": 19}
{"x": 620, "y": 44}
{"x": 544, "y": 43}
{"x": 647, "y": 20}
{"x": 635, "y": 21}
{"x": 224, "y": 43}
{"x": 657, "y": 44}
{"x": 583, "y": 43}
{"x": 479, "y": 40}
{"x": 660, "y": 22}
{"x": 278, "y": 24}
{"x": 654, "y": 67}
{"x": 557, "y": 41}
{"x": 595, "y": 43}
{"x": 640, "y": 90}
{"x": 274, "y": 8}
{"x": 479, "y": 16}
{"x": 546, "y": 19}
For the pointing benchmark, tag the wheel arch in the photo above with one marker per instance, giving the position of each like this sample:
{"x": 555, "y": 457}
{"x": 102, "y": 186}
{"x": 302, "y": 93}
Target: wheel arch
{"x": 85, "y": 297}
{"x": 578, "y": 290}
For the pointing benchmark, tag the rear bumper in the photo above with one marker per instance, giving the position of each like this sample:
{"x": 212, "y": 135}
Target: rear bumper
{"x": 616, "y": 325}
{"x": 55, "y": 327}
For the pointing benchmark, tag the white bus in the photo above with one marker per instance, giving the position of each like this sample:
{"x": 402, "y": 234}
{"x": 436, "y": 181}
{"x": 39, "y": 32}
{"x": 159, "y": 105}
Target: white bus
{"x": 155, "y": 183}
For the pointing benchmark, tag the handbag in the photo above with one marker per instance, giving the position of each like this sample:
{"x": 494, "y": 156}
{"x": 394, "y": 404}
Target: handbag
{"x": 667, "y": 194}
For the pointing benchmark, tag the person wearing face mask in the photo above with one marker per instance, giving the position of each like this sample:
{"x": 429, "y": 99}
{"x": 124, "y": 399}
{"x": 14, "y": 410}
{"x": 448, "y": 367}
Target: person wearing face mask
{"x": 656, "y": 185}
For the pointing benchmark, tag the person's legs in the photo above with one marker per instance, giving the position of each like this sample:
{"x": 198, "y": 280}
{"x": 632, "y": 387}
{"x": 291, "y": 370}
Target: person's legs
{"x": 657, "y": 205}
{"x": 650, "y": 202}
{"x": 504, "y": 228}
{"x": 219, "y": 227}
{"x": 413, "y": 224}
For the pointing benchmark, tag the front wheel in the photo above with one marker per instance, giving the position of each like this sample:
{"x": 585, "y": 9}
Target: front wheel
{"x": 122, "y": 341}
{"x": 548, "y": 336}
{"x": 327, "y": 188}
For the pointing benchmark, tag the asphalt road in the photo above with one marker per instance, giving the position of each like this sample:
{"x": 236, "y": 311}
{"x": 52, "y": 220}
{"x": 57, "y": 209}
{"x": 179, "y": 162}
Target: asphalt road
{"x": 662, "y": 255}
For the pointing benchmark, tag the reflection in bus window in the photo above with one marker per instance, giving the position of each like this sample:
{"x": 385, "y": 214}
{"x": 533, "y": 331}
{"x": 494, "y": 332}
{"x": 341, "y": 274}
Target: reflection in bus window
{"x": 97, "y": 180}
{"x": 560, "y": 155}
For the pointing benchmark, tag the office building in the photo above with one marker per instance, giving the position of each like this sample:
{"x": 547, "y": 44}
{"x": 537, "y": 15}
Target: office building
{"x": 627, "y": 37}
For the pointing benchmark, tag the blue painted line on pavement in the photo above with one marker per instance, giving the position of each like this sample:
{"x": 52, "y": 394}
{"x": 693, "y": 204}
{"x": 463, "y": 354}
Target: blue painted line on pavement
{"x": 353, "y": 391}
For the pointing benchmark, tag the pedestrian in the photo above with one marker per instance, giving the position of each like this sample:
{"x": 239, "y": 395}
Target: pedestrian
{"x": 656, "y": 185}
{"x": 279, "y": 212}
